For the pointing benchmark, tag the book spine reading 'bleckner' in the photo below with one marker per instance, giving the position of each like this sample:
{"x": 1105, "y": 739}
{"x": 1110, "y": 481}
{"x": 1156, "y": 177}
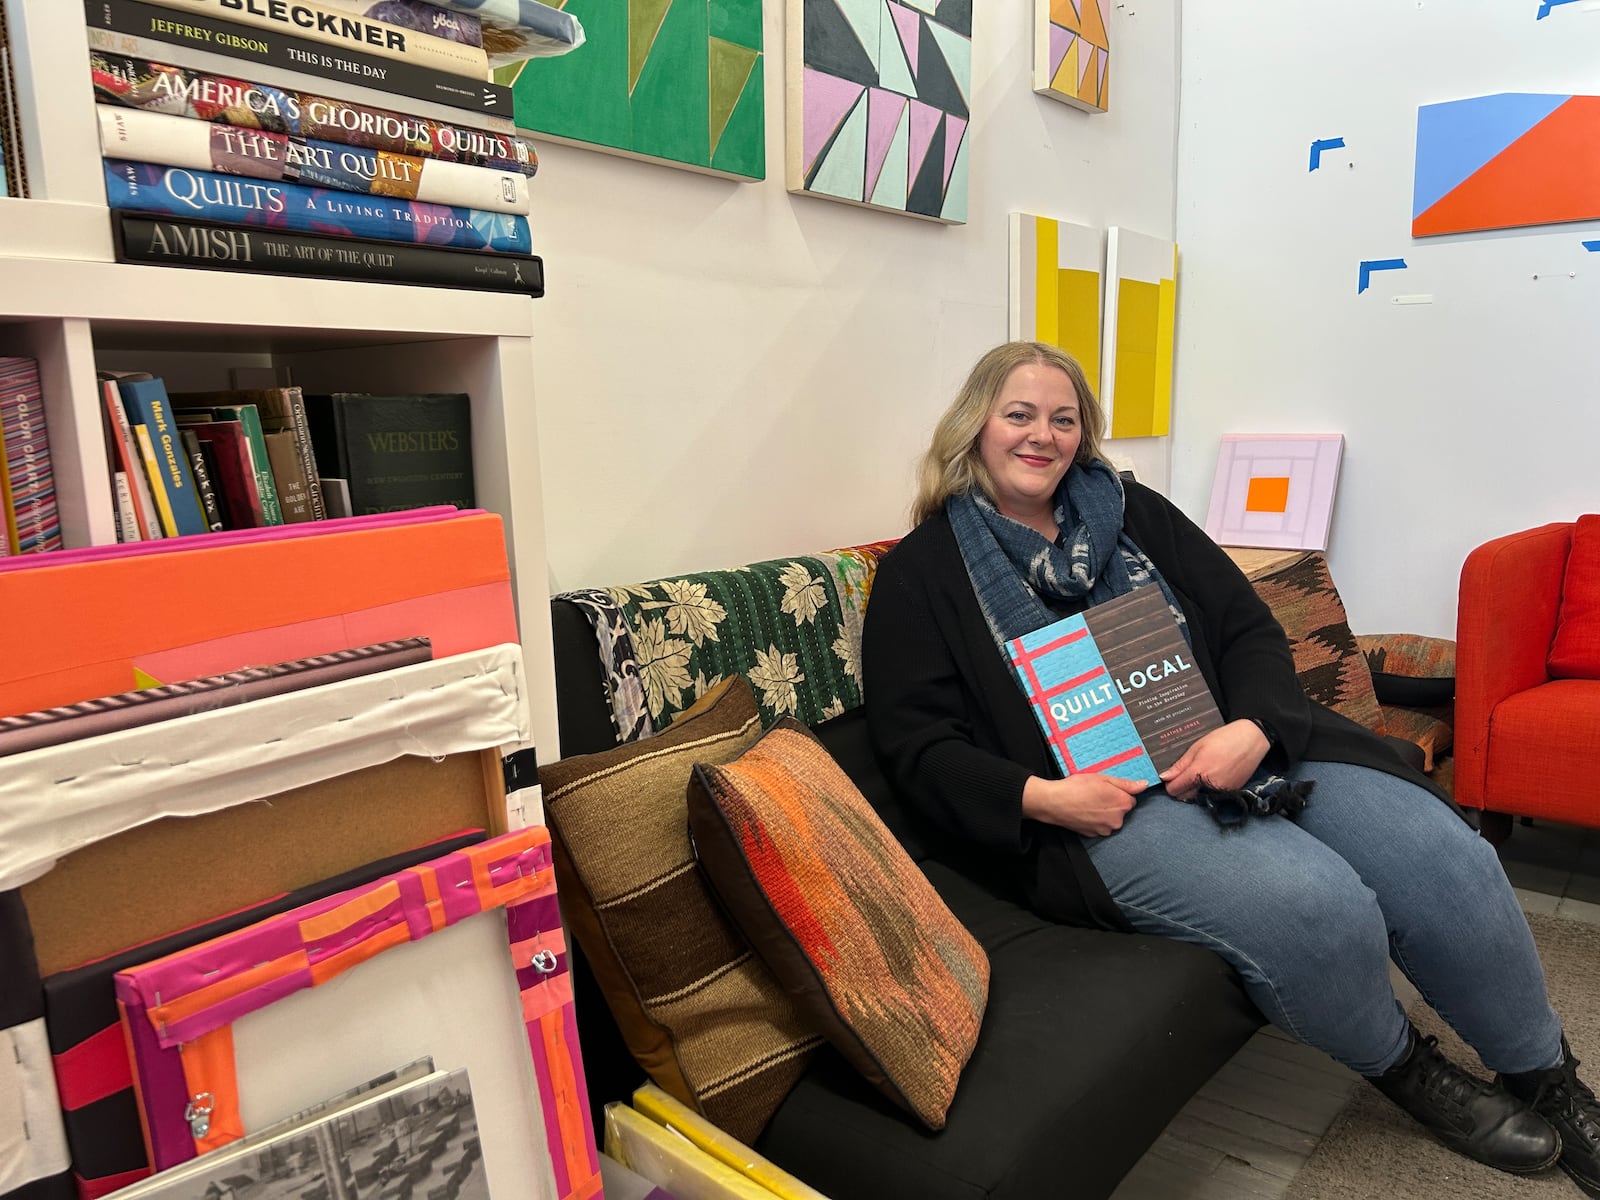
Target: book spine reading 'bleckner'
{"x": 318, "y": 22}
{"x": 420, "y": 15}
{"x": 270, "y": 251}
{"x": 260, "y": 154}
{"x": 201, "y": 31}
{"x": 229, "y": 200}
{"x": 183, "y": 92}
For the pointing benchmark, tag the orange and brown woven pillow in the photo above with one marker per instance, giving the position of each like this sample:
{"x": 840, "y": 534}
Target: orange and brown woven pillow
{"x": 846, "y": 921}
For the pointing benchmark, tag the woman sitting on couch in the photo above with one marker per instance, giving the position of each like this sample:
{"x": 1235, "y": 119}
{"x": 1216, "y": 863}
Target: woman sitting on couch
{"x": 1019, "y": 522}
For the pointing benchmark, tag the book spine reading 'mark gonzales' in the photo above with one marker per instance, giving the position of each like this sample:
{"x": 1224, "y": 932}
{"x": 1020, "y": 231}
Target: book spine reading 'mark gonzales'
{"x": 183, "y": 92}
{"x": 212, "y": 43}
{"x": 345, "y": 30}
{"x": 229, "y": 200}
{"x": 260, "y": 154}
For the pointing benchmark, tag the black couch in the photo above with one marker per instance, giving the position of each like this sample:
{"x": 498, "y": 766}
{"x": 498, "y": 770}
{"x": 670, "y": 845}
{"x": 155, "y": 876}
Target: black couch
{"x": 1090, "y": 1043}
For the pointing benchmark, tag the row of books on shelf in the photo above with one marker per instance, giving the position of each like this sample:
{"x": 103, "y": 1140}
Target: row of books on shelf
{"x": 197, "y": 462}
{"x": 233, "y": 138}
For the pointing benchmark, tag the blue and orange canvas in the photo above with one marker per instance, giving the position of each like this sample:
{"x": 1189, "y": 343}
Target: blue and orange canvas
{"x": 1507, "y": 160}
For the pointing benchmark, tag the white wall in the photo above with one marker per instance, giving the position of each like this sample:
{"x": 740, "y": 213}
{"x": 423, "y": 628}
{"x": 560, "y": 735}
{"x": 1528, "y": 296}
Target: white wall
{"x": 728, "y": 372}
{"x": 1466, "y": 418}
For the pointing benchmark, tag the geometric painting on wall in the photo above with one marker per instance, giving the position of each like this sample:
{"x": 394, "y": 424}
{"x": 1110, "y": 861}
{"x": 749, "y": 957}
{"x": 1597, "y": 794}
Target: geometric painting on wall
{"x": 1055, "y": 288}
{"x": 672, "y": 81}
{"x": 879, "y": 103}
{"x": 1140, "y": 327}
{"x": 1275, "y": 490}
{"x": 1502, "y": 161}
{"x": 1072, "y": 52}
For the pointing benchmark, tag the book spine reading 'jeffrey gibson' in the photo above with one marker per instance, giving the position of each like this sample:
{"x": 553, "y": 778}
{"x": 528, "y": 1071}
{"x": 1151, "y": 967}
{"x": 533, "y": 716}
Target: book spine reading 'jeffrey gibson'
{"x": 183, "y": 92}
{"x": 229, "y": 200}
{"x": 345, "y": 30}
{"x": 150, "y": 137}
{"x": 271, "y": 251}
{"x": 200, "y": 31}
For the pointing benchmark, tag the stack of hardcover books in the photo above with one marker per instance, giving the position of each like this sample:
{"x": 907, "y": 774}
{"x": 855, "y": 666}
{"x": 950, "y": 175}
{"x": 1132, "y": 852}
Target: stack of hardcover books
{"x": 355, "y": 139}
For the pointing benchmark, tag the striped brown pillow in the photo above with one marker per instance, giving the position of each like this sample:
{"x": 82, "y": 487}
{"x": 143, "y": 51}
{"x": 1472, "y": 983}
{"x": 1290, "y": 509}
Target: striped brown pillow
{"x": 842, "y": 916}
{"x": 701, "y": 1013}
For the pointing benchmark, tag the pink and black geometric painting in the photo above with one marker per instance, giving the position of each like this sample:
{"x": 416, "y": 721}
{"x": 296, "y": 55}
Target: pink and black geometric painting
{"x": 879, "y": 103}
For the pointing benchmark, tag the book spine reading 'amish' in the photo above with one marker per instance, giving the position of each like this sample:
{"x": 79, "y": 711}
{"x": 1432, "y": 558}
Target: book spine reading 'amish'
{"x": 261, "y": 154}
{"x": 206, "y": 96}
{"x": 1115, "y": 688}
{"x": 328, "y": 26}
{"x": 203, "y": 32}
{"x": 230, "y": 200}
{"x": 270, "y": 251}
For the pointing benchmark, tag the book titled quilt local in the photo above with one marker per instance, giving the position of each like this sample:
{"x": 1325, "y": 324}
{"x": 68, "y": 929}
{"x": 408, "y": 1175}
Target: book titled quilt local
{"x": 1115, "y": 688}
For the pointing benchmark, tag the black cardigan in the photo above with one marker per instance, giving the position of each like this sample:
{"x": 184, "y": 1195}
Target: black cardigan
{"x": 958, "y": 740}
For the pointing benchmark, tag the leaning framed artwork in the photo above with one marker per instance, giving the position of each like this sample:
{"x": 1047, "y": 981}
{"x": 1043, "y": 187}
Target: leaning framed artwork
{"x": 878, "y": 108}
{"x": 1138, "y": 334}
{"x": 1055, "y": 282}
{"x": 423, "y": 968}
{"x": 1072, "y": 52}
{"x": 1275, "y": 490}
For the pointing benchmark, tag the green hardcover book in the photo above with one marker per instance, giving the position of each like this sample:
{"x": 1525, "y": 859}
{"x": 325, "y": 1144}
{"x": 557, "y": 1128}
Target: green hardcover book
{"x": 395, "y": 452}
{"x": 281, "y": 409}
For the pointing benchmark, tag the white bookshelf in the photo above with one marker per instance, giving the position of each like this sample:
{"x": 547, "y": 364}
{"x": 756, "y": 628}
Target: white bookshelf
{"x": 64, "y": 301}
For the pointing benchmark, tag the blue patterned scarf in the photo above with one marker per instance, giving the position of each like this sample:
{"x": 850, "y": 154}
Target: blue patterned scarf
{"x": 1015, "y": 569}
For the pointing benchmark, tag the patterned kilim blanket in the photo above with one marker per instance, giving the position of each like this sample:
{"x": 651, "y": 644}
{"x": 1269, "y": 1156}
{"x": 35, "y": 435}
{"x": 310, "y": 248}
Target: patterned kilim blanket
{"x": 791, "y": 626}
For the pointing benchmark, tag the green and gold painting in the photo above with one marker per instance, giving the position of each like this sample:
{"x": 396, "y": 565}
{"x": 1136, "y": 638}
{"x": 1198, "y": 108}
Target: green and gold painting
{"x": 673, "y": 81}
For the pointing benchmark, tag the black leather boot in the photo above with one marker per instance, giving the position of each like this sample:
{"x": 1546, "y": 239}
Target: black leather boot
{"x": 1561, "y": 1098}
{"x": 1470, "y": 1116}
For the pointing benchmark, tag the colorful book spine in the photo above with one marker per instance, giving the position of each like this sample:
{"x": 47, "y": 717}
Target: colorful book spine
{"x": 122, "y": 498}
{"x": 1115, "y": 688}
{"x": 269, "y": 251}
{"x": 247, "y": 104}
{"x": 150, "y": 31}
{"x": 152, "y": 470}
{"x": 204, "y": 491}
{"x": 27, "y": 480}
{"x": 172, "y": 480}
{"x": 345, "y": 31}
{"x": 129, "y": 710}
{"x": 235, "y": 474}
{"x": 131, "y": 134}
{"x": 280, "y": 410}
{"x": 228, "y": 200}
{"x": 147, "y": 521}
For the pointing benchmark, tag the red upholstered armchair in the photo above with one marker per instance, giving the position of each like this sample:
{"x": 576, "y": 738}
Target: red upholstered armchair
{"x": 1527, "y": 714}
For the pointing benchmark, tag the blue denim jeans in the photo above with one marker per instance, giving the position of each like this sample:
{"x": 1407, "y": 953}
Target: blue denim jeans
{"x": 1310, "y": 912}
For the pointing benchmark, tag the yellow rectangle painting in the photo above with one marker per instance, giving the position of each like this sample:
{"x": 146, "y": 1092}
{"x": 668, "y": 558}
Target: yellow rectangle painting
{"x": 1055, "y": 287}
{"x": 1139, "y": 330}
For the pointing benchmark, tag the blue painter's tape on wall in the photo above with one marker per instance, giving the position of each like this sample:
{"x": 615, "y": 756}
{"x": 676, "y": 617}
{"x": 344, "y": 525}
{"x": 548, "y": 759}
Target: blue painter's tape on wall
{"x": 1592, "y": 247}
{"x": 1546, "y": 6}
{"x": 1378, "y": 264}
{"x": 1321, "y": 144}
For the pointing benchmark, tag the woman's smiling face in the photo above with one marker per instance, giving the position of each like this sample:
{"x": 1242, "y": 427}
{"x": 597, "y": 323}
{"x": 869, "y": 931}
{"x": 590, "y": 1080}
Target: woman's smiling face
{"x": 1029, "y": 440}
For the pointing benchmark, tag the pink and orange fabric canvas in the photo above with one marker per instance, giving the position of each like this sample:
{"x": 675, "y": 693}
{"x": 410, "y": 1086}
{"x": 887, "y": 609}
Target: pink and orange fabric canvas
{"x": 178, "y": 1011}
{"x": 222, "y": 603}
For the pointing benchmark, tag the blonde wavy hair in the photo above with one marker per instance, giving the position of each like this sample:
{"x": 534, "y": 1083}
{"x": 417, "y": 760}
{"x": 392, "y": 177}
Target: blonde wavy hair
{"x": 951, "y": 464}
